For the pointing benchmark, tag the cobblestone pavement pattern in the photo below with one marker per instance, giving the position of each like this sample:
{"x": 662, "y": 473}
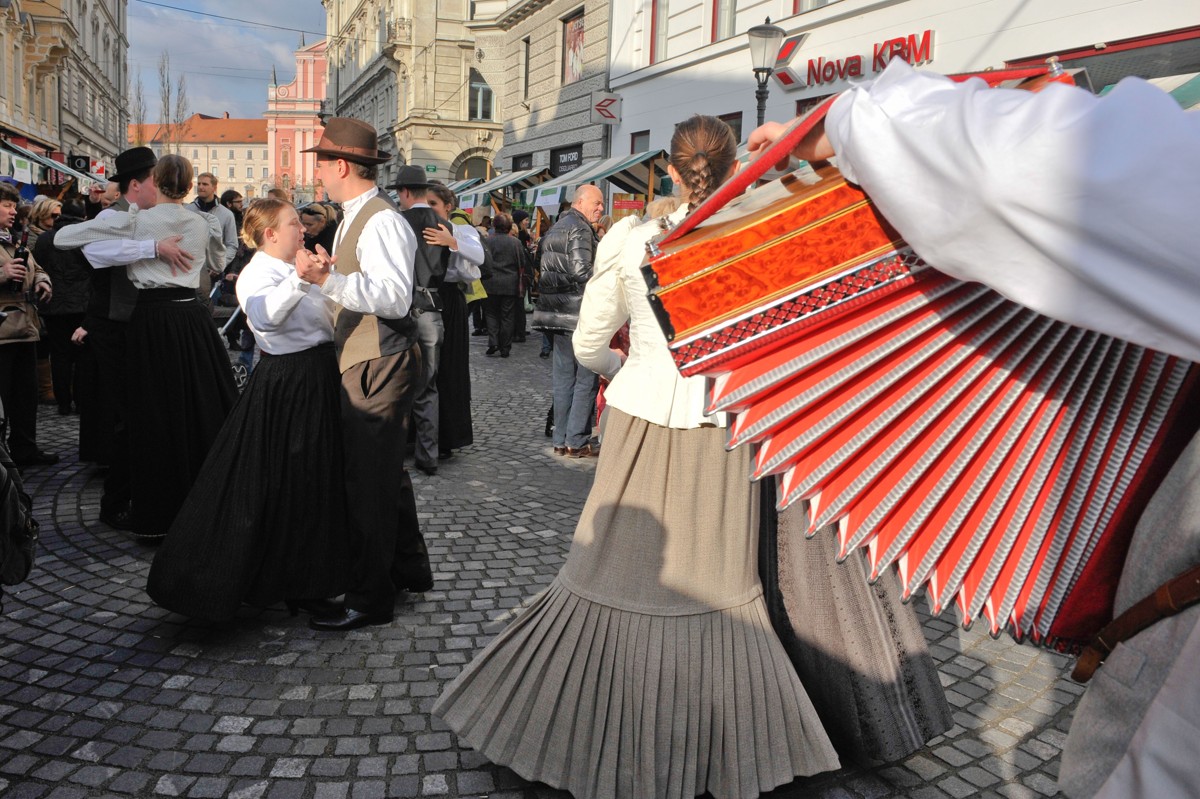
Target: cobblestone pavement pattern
{"x": 104, "y": 694}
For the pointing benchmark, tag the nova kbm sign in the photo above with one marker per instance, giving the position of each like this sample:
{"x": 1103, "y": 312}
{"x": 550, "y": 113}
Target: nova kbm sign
{"x": 916, "y": 48}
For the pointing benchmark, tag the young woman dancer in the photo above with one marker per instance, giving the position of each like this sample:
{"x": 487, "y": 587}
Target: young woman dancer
{"x": 265, "y": 521}
{"x": 649, "y": 667}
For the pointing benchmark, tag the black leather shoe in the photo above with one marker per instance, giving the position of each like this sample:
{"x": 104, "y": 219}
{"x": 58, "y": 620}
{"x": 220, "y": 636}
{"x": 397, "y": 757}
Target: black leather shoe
{"x": 317, "y": 608}
{"x": 121, "y": 519}
{"x": 38, "y": 458}
{"x": 445, "y": 454}
{"x": 429, "y": 469}
{"x": 349, "y": 620}
{"x": 492, "y": 350}
{"x": 478, "y": 332}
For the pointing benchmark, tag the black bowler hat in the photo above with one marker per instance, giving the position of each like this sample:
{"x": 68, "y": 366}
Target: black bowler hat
{"x": 411, "y": 177}
{"x": 351, "y": 140}
{"x": 133, "y": 161}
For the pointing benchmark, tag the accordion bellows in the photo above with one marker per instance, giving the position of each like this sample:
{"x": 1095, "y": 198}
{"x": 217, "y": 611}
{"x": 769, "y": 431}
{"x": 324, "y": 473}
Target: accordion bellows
{"x": 996, "y": 457}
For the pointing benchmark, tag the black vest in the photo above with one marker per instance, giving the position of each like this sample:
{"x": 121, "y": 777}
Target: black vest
{"x": 432, "y": 260}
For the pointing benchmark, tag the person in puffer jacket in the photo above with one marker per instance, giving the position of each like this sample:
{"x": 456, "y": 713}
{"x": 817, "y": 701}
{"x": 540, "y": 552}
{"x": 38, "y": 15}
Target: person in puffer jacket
{"x": 565, "y": 258}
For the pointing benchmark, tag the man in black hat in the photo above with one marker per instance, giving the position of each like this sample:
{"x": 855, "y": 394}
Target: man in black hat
{"x": 102, "y": 433}
{"x": 380, "y": 363}
{"x": 432, "y": 261}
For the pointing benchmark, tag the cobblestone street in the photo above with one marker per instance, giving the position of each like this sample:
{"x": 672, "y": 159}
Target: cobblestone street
{"x": 102, "y": 693}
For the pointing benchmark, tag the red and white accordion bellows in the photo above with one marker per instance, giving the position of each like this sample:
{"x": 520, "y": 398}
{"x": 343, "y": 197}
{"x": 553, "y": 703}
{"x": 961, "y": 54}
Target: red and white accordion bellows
{"x": 994, "y": 455}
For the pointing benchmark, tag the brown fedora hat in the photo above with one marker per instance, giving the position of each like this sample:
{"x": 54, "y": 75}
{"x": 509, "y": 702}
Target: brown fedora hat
{"x": 351, "y": 139}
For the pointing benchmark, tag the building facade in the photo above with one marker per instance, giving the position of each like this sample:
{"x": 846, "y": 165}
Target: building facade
{"x": 235, "y": 150}
{"x": 411, "y": 69}
{"x": 294, "y": 124}
{"x": 559, "y": 49}
{"x": 63, "y": 74}
{"x": 674, "y": 58}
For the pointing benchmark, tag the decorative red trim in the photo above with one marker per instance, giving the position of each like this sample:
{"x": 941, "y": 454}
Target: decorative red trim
{"x": 1181, "y": 35}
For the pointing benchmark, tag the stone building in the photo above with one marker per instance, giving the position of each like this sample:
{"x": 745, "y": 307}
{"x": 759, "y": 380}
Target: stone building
{"x": 63, "y": 74}
{"x": 235, "y": 150}
{"x": 293, "y": 123}
{"x": 412, "y": 69}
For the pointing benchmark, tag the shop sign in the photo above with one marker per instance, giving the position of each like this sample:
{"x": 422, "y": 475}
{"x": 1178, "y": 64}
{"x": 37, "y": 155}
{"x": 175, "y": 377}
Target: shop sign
{"x": 915, "y": 48}
{"x": 628, "y": 205}
{"x": 606, "y": 108}
{"x": 431, "y": 168}
{"x": 565, "y": 159}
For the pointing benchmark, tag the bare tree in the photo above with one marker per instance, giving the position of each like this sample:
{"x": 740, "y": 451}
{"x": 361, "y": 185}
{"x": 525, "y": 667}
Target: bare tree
{"x": 179, "y": 118}
{"x": 138, "y": 112}
{"x": 165, "y": 99}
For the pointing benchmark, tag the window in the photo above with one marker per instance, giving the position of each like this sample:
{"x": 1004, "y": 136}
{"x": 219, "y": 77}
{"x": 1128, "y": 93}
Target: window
{"x": 800, "y": 6}
{"x": 480, "y": 102}
{"x": 658, "y": 31}
{"x": 195, "y": 155}
{"x": 231, "y": 174}
{"x": 572, "y": 66}
{"x": 265, "y": 173}
{"x": 525, "y": 62}
{"x": 249, "y": 155}
{"x": 639, "y": 142}
{"x": 249, "y": 173}
{"x": 214, "y": 155}
{"x": 265, "y": 155}
{"x": 231, "y": 155}
{"x": 734, "y": 121}
{"x": 724, "y": 12}
{"x": 285, "y": 157}
{"x": 808, "y": 104}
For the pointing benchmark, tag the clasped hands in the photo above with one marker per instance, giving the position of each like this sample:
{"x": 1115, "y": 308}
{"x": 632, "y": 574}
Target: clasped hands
{"x": 314, "y": 267}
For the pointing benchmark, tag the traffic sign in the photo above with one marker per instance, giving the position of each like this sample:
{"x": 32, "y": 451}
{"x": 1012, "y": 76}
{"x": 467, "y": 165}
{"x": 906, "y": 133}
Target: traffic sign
{"x": 606, "y": 108}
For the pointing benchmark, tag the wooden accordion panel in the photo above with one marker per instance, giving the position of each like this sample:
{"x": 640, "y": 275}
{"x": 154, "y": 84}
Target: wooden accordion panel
{"x": 997, "y": 457}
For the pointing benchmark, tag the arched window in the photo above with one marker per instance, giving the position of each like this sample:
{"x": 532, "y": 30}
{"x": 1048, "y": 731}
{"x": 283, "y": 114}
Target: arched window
{"x": 474, "y": 167}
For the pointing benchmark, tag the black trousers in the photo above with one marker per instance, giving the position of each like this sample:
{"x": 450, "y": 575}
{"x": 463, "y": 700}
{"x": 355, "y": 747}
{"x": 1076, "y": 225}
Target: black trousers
{"x": 377, "y": 398}
{"x": 103, "y": 433}
{"x": 19, "y": 393}
{"x": 65, "y": 358}
{"x": 500, "y": 315}
{"x": 477, "y": 315}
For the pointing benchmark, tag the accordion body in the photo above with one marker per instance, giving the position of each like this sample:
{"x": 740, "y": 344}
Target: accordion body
{"x": 997, "y": 458}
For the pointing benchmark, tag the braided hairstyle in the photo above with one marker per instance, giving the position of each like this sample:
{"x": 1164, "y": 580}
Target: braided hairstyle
{"x": 703, "y": 151}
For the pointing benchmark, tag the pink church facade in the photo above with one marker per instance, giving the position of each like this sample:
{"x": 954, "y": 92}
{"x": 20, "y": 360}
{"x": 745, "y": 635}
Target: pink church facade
{"x": 293, "y": 125}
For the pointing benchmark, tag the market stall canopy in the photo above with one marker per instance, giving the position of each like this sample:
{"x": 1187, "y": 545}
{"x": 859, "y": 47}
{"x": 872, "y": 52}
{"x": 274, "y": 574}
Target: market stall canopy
{"x": 47, "y": 161}
{"x": 516, "y": 181}
{"x": 628, "y": 172}
{"x": 459, "y": 186}
{"x": 1184, "y": 88}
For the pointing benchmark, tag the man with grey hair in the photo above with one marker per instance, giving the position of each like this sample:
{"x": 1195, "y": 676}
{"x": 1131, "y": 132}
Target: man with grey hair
{"x": 566, "y": 255}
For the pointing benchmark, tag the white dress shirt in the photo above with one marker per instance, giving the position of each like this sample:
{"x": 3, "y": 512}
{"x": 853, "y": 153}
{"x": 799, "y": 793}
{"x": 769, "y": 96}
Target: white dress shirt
{"x": 201, "y": 236}
{"x": 1083, "y": 215}
{"x": 386, "y": 253}
{"x": 465, "y": 261}
{"x": 117, "y": 252}
{"x": 649, "y": 385}
{"x": 285, "y": 314}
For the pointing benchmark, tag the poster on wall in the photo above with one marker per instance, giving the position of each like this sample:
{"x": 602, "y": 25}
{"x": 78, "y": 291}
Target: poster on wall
{"x": 22, "y": 170}
{"x": 573, "y": 48}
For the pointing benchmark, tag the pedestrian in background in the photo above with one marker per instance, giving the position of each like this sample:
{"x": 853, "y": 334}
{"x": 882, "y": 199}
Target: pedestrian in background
{"x": 509, "y": 261}
{"x": 565, "y": 258}
{"x": 319, "y": 227}
{"x": 71, "y": 275}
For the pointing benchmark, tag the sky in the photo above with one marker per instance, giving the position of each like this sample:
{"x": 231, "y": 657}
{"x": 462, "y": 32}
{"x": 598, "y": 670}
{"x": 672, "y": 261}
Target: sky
{"x": 226, "y": 63}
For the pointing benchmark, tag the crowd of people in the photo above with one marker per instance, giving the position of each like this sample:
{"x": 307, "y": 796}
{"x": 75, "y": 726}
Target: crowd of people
{"x": 671, "y": 656}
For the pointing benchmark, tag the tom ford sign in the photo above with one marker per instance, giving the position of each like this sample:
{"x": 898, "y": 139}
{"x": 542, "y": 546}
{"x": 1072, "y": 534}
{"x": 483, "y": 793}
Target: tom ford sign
{"x": 915, "y": 48}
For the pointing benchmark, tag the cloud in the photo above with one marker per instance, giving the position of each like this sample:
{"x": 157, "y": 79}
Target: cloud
{"x": 226, "y": 64}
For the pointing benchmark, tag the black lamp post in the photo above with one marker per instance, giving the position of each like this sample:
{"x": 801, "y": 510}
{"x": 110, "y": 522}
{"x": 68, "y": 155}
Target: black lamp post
{"x": 764, "y": 48}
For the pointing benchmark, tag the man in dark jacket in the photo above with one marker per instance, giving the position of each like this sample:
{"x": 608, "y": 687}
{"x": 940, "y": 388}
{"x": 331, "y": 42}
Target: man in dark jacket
{"x": 566, "y": 255}
{"x": 431, "y": 263}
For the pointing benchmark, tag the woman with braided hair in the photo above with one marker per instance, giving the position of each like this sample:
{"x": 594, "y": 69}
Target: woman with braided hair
{"x": 649, "y": 667}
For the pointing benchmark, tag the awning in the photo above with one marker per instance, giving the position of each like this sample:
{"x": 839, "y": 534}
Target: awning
{"x": 46, "y": 161}
{"x": 628, "y": 172}
{"x": 462, "y": 185}
{"x": 480, "y": 195}
{"x": 1184, "y": 88}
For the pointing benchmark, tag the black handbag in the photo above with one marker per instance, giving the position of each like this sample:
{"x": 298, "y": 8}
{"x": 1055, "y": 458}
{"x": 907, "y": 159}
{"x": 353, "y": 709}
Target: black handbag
{"x": 18, "y": 528}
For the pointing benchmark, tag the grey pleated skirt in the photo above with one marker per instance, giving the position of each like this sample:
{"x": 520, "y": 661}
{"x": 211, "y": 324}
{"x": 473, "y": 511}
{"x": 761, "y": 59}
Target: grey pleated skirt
{"x": 649, "y": 667}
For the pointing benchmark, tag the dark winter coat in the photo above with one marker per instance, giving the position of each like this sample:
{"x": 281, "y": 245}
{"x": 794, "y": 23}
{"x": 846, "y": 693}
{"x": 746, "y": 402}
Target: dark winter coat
{"x": 509, "y": 259}
{"x": 70, "y": 273}
{"x": 566, "y": 255}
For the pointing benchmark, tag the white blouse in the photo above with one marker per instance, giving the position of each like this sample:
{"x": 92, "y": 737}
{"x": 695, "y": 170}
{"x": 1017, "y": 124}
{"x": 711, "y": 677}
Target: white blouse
{"x": 285, "y": 314}
{"x": 649, "y": 385}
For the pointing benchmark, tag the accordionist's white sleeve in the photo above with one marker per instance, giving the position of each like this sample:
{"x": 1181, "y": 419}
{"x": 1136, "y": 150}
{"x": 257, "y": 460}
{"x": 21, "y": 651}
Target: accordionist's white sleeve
{"x": 1080, "y": 207}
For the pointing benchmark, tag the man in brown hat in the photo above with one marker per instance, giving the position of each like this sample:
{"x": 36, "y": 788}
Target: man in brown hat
{"x": 380, "y": 363}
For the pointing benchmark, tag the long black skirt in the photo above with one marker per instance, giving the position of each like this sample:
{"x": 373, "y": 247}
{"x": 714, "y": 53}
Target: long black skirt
{"x": 454, "y": 377}
{"x": 265, "y": 521}
{"x": 180, "y": 391}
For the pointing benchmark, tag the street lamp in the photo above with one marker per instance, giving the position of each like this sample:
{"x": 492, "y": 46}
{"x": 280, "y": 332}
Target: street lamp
{"x": 764, "y": 49}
